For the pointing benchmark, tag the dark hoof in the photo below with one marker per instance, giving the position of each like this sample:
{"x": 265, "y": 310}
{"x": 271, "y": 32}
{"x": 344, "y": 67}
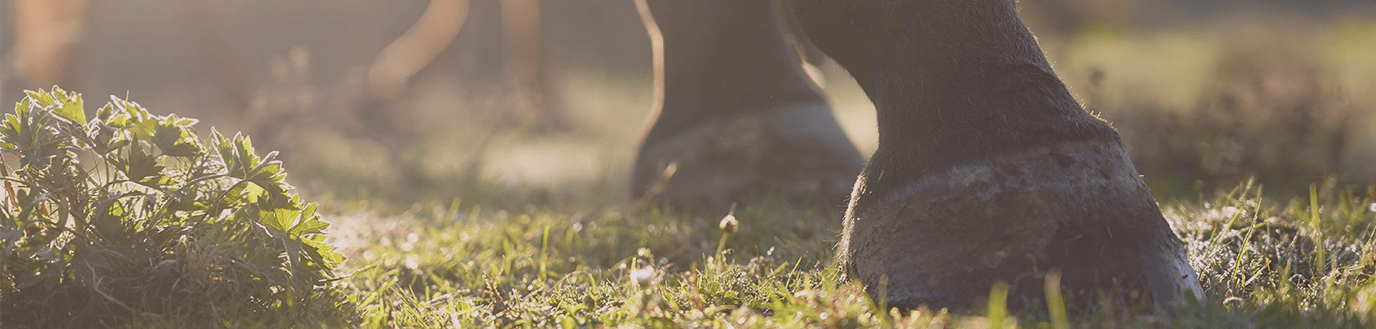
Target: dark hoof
{"x": 797, "y": 151}
{"x": 1080, "y": 208}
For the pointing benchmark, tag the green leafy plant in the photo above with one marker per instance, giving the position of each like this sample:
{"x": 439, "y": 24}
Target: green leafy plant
{"x": 130, "y": 215}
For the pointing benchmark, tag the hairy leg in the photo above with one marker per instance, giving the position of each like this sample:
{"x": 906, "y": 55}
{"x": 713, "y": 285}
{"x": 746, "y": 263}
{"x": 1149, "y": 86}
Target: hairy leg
{"x": 987, "y": 169}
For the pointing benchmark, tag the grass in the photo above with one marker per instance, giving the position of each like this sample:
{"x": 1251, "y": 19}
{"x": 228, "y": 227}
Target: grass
{"x": 1263, "y": 263}
{"x": 513, "y": 253}
{"x": 1198, "y": 109}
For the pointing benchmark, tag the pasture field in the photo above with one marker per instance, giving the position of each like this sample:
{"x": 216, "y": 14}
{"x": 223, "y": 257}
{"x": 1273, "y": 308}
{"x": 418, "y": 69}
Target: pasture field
{"x": 1260, "y": 261}
{"x": 527, "y": 244}
{"x": 524, "y": 243}
{"x": 1257, "y": 142}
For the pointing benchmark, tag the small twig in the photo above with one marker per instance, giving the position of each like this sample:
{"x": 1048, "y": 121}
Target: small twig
{"x": 656, "y": 189}
{"x": 9, "y": 182}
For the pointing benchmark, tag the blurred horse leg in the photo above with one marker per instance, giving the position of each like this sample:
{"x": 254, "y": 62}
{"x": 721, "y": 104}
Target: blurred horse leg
{"x": 393, "y": 68}
{"x": 735, "y": 117}
{"x": 389, "y": 76}
{"x": 523, "y": 68}
{"x": 390, "y": 73}
{"x": 47, "y": 37}
{"x": 526, "y": 73}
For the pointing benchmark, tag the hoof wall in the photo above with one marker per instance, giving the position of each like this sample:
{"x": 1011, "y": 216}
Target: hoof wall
{"x": 797, "y": 151}
{"x": 1079, "y": 208}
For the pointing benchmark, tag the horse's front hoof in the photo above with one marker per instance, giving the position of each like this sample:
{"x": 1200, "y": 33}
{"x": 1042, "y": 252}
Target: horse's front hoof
{"x": 1079, "y": 208}
{"x": 798, "y": 151}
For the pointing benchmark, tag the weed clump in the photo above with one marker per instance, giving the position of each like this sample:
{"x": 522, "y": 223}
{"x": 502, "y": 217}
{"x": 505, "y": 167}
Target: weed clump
{"x": 129, "y": 217}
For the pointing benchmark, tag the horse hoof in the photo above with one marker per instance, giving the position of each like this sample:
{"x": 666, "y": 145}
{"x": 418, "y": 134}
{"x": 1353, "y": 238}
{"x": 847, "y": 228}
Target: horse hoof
{"x": 1078, "y": 207}
{"x": 797, "y": 151}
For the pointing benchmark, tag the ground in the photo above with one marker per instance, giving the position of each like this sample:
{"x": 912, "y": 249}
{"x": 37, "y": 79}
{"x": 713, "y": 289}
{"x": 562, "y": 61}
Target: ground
{"x": 526, "y": 243}
{"x": 514, "y": 228}
{"x": 530, "y": 244}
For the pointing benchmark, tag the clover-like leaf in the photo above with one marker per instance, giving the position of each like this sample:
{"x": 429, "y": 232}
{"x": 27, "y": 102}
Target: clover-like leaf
{"x": 66, "y": 105}
{"x": 106, "y": 139}
{"x": 280, "y": 220}
{"x": 108, "y": 221}
{"x": 173, "y": 136}
{"x": 309, "y": 223}
{"x": 135, "y": 119}
{"x": 12, "y": 131}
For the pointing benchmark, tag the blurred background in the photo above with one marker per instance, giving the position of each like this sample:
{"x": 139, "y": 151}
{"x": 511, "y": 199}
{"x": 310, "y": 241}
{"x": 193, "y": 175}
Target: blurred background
{"x": 518, "y": 102}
